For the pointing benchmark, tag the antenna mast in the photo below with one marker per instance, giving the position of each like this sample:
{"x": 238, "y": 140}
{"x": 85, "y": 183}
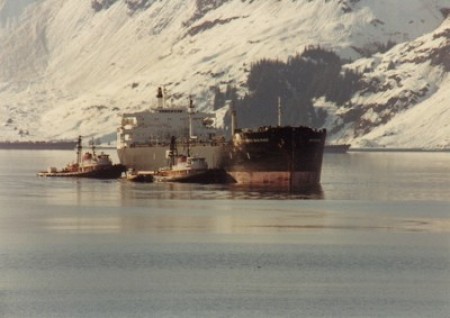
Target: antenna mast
{"x": 190, "y": 112}
{"x": 233, "y": 119}
{"x": 279, "y": 111}
{"x": 79, "y": 149}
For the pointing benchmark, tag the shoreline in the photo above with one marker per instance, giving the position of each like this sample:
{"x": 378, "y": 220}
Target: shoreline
{"x": 70, "y": 145}
{"x": 353, "y": 149}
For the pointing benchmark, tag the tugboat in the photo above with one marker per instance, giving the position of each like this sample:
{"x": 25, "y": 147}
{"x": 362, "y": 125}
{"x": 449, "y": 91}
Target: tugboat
{"x": 187, "y": 169}
{"x": 139, "y": 176}
{"x": 90, "y": 165}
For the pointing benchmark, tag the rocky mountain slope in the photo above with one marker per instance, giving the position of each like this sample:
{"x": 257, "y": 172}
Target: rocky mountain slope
{"x": 403, "y": 99}
{"x": 72, "y": 67}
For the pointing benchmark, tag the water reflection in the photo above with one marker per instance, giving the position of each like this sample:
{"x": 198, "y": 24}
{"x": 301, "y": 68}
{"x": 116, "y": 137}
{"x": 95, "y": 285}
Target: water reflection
{"x": 354, "y": 176}
{"x": 236, "y": 217}
{"x": 307, "y": 192}
{"x": 214, "y": 223}
{"x": 179, "y": 191}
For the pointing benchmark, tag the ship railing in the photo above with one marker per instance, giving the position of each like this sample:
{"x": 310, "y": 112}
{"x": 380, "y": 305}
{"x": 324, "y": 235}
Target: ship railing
{"x": 196, "y": 143}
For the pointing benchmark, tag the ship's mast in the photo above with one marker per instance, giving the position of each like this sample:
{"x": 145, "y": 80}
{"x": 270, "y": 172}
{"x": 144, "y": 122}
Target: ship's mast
{"x": 93, "y": 147}
{"x": 233, "y": 120}
{"x": 173, "y": 151}
{"x": 279, "y": 111}
{"x": 189, "y": 147}
{"x": 79, "y": 150}
{"x": 191, "y": 128}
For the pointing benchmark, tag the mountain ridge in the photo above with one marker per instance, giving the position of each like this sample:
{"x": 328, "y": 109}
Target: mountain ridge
{"x": 69, "y": 69}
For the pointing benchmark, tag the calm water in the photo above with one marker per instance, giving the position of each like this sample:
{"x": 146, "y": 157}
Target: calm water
{"x": 372, "y": 241}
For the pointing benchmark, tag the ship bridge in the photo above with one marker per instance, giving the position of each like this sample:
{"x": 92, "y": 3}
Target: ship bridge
{"x": 157, "y": 126}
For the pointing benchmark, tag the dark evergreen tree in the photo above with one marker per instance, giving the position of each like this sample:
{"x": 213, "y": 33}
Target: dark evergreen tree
{"x": 314, "y": 73}
{"x": 219, "y": 98}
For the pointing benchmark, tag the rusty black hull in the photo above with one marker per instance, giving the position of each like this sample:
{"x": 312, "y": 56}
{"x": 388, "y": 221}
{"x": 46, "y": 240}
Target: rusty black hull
{"x": 276, "y": 155}
{"x": 209, "y": 176}
{"x": 112, "y": 172}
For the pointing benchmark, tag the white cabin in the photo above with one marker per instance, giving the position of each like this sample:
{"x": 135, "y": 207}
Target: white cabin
{"x": 156, "y": 126}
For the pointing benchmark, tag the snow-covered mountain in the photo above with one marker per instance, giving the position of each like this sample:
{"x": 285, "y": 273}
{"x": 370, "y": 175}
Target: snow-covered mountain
{"x": 404, "y": 98}
{"x": 72, "y": 67}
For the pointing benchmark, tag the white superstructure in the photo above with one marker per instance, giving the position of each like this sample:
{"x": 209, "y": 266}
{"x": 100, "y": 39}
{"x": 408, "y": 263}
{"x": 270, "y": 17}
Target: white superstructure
{"x": 156, "y": 126}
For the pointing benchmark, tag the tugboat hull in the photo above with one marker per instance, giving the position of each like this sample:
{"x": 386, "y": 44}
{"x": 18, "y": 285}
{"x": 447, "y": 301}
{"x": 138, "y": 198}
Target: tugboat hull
{"x": 150, "y": 158}
{"x": 209, "y": 176}
{"x": 112, "y": 172}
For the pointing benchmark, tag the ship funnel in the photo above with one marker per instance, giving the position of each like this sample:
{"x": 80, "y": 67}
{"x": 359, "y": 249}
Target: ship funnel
{"x": 160, "y": 97}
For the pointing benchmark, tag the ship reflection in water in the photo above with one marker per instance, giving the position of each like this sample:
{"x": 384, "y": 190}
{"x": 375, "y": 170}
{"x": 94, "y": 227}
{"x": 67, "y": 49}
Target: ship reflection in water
{"x": 183, "y": 191}
{"x": 189, "y": 208}
{"x": 306, "y": 192}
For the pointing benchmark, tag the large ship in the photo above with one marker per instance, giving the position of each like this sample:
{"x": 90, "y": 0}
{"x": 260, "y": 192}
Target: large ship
{"x": 144, "y": 137}
{"x": 281, "y": 156}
